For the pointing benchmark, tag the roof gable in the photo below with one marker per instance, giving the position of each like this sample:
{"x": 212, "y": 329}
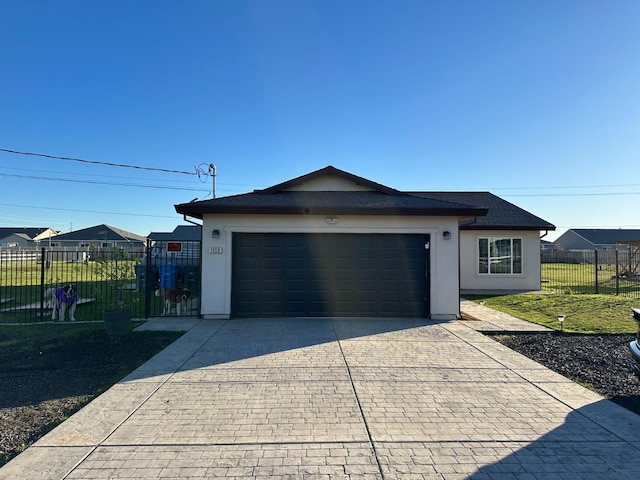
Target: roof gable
{"x": 329, "y": 179}
{"x": 101, "y": 233}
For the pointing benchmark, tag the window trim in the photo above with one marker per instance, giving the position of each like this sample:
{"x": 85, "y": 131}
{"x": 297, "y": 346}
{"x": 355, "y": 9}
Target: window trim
{"x": 491, "y": 238}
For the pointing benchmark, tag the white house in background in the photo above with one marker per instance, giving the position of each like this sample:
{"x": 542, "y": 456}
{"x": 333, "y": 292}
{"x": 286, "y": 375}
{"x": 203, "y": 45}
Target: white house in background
{"x": 13, "y": 237}
{"x": 331, "y": 243}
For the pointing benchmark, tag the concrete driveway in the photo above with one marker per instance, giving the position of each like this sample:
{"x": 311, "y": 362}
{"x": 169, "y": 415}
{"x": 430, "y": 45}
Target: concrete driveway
{"x": 339, "y": 398}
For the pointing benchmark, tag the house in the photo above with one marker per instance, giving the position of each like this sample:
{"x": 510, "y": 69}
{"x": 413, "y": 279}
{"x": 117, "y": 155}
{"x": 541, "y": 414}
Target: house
{"x": 331, "y": 243}
{"x": 12, "y": 237}
{"x": 100, "y": 236}
{"x": 597, "y": 239}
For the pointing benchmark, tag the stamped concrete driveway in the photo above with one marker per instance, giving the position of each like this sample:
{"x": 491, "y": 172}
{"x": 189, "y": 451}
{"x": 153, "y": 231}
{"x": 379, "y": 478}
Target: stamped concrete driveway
{"x": 339, "y": 398}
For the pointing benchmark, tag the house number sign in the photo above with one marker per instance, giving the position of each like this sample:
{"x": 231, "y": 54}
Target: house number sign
{"x": 217, "y": 250}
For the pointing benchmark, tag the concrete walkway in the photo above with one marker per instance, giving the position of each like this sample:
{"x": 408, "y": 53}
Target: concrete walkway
{"x": 340, "y": 398}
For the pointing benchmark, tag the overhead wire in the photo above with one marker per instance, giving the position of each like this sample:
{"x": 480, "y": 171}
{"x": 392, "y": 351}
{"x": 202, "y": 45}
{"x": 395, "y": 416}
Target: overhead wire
{"x": 95, "y": 162}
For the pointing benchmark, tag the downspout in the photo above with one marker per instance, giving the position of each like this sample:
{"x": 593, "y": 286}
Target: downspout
{"x": 184, "y": 217}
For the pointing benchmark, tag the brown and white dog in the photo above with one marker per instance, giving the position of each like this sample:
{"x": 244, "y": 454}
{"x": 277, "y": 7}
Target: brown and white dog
{"x": 60, "y": 299}
{"x": 177, "y": 296}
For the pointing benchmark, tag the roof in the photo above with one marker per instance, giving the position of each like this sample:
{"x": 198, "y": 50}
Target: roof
{"x": 30, "y": 232}
{"x": 604, "y": 236}
{"x": 100, "y": 232}
{"x": 180, "y": 233}
{"x": 502, "y": 215}
{"x": 476, "y": 210}
{"x": 374, "y": 199}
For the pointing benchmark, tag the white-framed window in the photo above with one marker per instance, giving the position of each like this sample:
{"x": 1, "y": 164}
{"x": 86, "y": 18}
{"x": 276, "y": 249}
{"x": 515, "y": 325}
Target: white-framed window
{"x": 500, "y": 255}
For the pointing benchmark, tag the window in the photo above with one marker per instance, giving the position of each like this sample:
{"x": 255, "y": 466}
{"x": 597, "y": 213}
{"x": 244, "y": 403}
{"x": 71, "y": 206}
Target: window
{"x": 499, "y": 256}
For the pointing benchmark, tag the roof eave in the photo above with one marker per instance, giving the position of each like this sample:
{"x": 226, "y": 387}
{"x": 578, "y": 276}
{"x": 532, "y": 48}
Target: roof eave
{"x": 302, "y": 210}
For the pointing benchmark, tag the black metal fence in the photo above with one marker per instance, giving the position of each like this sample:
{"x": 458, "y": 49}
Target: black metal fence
{"x": 138, "y": 280}
{"x": 596, "y": 272}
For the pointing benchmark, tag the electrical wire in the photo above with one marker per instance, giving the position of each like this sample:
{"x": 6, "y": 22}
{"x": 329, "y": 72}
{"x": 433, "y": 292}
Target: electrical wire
{"x": 94, "y": 162}
{"x": 96, "y": 182}
{"x": 137, "y": 214}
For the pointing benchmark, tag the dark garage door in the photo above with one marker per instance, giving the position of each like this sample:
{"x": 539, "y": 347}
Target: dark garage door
{"x": 316, "y": 275}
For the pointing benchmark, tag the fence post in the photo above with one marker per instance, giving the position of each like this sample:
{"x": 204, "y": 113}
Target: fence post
{"x": 42, "y": 282}
{"x": 596, "y": 264}
{"x": 617, "y": 273}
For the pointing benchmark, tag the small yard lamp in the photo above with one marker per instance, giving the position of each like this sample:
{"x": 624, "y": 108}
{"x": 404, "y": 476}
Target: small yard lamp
{"x": 561, "y": 319}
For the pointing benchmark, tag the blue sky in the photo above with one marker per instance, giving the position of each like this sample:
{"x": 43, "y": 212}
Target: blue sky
{"x": 535, "y": 101}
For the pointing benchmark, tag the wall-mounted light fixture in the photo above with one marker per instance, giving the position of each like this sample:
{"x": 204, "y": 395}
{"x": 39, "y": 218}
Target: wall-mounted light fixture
{"x": 446, "y": 235}
{"x": 215, "y": 234}
{"x": 331, "y": 220}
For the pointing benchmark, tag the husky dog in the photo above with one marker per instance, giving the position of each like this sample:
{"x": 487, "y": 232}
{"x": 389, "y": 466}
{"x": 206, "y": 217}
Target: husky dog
{"x": 177, "y": 296}
{"x": 61, "y": 298}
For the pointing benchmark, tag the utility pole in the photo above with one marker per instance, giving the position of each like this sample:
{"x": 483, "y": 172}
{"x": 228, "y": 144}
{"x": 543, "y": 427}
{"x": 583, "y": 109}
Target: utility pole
{"x": 212, "y": 172}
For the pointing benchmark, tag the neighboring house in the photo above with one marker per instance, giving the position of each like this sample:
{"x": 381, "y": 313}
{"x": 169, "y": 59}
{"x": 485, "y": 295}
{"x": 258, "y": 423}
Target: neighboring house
{"x": 100, "y": 236}
{"x": 181, "y": 245}
{"x": 331, "y": 243}
{"x": 546, "y": 246}
{"x": 24, "y": 236}
{"x": 596, "y": 239}
{"x": 190, "y": 233}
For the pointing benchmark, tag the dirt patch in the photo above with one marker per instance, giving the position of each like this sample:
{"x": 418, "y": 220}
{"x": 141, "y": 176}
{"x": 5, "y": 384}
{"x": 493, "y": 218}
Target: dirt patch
{"x": 41, "y": 387}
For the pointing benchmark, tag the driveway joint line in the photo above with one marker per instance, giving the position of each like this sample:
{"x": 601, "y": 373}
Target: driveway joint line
{"x": 355, "y": 394}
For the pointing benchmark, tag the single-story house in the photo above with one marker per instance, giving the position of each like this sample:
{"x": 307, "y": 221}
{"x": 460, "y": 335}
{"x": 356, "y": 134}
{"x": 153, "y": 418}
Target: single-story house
{"x": 331, "y": 243}
{"x": 597, "y": 239}
{"x": 12, "y": 237}
{"x": 100, "y": 236}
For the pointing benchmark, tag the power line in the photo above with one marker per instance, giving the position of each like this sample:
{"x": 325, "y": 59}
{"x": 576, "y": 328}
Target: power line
{"x": 603, "y": 194}
{"x": 94, "y": 162}
{"x": 137, "y": 214}
{"x": 96, "y": 182}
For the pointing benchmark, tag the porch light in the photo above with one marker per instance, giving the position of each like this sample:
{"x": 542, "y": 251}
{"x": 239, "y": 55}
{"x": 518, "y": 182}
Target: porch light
{"x": 446, "y": 235}
{"x": 215, "y": 234}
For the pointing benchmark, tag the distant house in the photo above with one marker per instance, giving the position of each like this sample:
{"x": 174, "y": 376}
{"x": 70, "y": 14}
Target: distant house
{"x": 12, "y": 237}
{"x": 596, "y": 239}
{"x": 190, "y": 233}
{"x": 546, "y": 246}
{"x": 100, "y": 236}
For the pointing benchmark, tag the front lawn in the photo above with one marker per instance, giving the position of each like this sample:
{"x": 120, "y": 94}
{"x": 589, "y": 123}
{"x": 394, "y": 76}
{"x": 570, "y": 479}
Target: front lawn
{"x": 584, "y": 313}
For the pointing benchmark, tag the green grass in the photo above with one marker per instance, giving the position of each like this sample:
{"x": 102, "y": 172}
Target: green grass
{"x": 581, "y": 278}
{"x": 584, "y": 313}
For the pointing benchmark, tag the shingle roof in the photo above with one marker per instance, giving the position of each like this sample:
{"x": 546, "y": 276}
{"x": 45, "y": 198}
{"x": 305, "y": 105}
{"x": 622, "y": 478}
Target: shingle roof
{"x": 100, "y": 232}
{"x": 485, "y": 210}
{"x": 502, "y": 215}
{"x": 329, "y": 203}
{"x": 31, "y": 232}
{"x": 181, "y": 232}
{"x": 604, "y": 236}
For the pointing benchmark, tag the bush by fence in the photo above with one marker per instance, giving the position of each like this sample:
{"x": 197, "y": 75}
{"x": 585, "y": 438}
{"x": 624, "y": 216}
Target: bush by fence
{"x": 593, "y": 272}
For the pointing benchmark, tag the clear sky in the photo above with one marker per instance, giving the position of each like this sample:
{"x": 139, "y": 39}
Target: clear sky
{"x": 535, "y": 101}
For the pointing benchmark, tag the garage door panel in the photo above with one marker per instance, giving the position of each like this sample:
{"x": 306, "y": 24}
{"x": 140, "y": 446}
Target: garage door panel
{"x": 328, "y": 274}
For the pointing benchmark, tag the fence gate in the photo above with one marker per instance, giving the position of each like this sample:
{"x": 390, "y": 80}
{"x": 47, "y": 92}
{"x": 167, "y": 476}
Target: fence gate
{"x": 169, "y": 274}
{"x": 105, "y": 279}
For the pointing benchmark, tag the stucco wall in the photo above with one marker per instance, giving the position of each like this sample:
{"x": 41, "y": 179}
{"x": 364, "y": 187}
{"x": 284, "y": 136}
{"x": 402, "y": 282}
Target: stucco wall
{"x": 471, "y": 280}
{"x": 216, "y": 267}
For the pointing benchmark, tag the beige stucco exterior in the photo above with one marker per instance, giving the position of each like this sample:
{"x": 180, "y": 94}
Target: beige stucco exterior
{"x": 217, "y": 252}
{"x": 472, "y": 281}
